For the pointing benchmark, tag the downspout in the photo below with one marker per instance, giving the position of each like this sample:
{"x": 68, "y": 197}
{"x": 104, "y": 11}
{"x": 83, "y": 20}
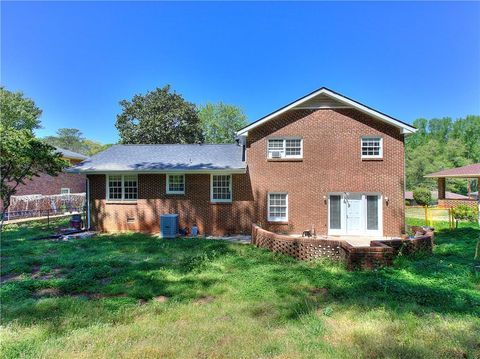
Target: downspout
{"x": 88, "y": 202}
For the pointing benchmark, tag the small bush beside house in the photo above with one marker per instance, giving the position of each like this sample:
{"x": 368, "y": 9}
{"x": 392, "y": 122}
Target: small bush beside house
{"x": 422, "y": 196}
{"x": 463, "y": 212}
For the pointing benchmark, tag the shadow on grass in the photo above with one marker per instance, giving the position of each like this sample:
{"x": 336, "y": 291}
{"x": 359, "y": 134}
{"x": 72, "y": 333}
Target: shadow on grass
{"x": 125, "y": 269}
{"x": 121, "y": 269}
{"x": 444, "y": 282}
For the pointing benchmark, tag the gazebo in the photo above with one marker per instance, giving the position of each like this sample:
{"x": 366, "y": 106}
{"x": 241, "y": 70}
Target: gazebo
{"x": 468, "y": 172}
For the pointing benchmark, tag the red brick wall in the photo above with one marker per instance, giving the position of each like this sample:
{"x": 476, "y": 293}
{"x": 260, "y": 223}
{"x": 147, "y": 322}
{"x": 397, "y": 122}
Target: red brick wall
{"x": 451, "y": 203}
{"x": 48, "y": 185}
{"x": 332, "y": 163}
{"x": 193, "y": 207}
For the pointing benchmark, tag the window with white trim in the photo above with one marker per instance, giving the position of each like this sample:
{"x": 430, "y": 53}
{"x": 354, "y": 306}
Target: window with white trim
{"x": 285, "y": 148}
{"x": 65, "y": 190}
{"x": 372, "y": 147}
{"x": 221, "y": 188}
{"x": 278, "y": 207}
{"x": 122, "y": 187}
{"x": 175, "y": 184}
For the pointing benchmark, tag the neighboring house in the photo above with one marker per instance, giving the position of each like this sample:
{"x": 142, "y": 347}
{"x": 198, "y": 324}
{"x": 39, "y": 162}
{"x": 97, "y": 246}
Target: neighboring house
{"x": 323, "y": 161}
{"x": 62, "y": 183}
{"x": 470, "y": 172}
{"x": 448, "y": 195}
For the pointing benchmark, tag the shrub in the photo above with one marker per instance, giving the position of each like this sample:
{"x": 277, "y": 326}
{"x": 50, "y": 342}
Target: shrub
{"x": 422, "y": 196}
{"x": 465, "y": 213}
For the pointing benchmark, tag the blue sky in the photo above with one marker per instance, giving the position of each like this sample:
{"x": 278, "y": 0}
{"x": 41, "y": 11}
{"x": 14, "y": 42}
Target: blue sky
{"x": 78, "y": 60}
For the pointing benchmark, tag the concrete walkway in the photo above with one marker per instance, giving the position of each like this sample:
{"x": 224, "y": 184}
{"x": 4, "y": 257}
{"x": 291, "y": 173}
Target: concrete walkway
{"x": 31, "y": 219}
{"x": 241, "y": 239}
{"x": 356, "y": 241}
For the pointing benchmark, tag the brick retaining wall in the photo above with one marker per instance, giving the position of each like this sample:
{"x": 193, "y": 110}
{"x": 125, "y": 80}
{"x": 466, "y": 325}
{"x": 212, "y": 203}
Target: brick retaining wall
{"x": 380, "y": 253}
{"x": 299, "y": 248}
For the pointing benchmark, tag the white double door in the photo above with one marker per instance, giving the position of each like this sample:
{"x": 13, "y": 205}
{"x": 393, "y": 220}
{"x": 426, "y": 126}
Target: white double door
{"x": 355, "y": 214}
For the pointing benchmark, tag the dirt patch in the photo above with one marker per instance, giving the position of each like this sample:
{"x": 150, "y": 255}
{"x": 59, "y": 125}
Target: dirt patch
{"x": 10, "y": 277}
{"x": 96, "y": 296}
{"x": 35, "y": 269}
{"x": 205, "y": 300}
{"x": 318, "y": 292}
{"x": 56, "y": 273}
{"x": 47, "y": 292}
{"x": 160, "y": 299}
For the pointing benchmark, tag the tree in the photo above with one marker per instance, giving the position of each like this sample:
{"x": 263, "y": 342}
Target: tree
{"x": 159, "y": 116}
{"x": 23, "y": 156}
{"x": 94, "y": 147}
{"x": 440, "y": 128}
{"x": 72, "y": 139}
{"x": 220, "y": 122}
{"x": 68, "y": 138}
{"x": 440, "y": 144}
{"x": 17, "y": 111}
{"x": 422, "y": 196}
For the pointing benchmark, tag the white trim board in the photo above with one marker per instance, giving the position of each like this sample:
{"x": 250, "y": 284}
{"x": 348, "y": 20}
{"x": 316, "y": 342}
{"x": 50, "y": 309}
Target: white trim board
{"x": 213, "y": 171}
{"x": 404, "y": 128}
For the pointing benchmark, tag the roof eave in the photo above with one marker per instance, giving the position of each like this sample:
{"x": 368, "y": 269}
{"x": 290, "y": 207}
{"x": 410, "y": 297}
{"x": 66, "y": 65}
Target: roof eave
{"x": 433, "y": 175}
{"x": 163, "y": 171}
{"x": 404, "y": 128}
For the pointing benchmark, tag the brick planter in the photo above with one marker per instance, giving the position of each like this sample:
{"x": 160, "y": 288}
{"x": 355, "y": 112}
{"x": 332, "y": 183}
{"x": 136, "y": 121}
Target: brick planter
{"x": 299, "y": 248}
{"x": 379, "y": 254}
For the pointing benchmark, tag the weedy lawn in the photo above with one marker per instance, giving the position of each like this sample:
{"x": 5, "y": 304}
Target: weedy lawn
{"x": 137, "y": 296}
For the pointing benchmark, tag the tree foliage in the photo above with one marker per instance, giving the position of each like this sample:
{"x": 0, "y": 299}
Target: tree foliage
{"x": 159, "y": 116}
{"x": 220, "y": 122}
{"x": 72, "y": 139}
{"x": 423, "y": 196}
{"x": 440, "y": 144}
{"x": 17, "y": 111}
{"x": 68, "y": 138}
{"x": 23, "y": 155}
{"x": 462, "y": 212}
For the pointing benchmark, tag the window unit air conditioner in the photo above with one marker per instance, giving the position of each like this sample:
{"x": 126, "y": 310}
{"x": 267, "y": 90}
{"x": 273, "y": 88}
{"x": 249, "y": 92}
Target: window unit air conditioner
{"x": 276, "y": 154}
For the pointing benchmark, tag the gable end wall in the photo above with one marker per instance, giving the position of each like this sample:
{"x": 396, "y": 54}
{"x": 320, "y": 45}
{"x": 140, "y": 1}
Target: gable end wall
{"x": 331, "y": 163}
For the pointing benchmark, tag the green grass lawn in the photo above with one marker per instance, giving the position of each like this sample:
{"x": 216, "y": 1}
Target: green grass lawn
{"x": 137, "y": 296}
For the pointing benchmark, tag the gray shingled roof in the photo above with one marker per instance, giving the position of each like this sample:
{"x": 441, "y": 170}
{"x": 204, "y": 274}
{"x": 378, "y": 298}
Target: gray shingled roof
{"x": 165, "y": 158}
{"x": 70, "y": 154}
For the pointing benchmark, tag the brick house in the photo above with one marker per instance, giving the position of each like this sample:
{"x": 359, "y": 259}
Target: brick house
{"x": 62, "y": 183}
{"x": 324, "y": 161}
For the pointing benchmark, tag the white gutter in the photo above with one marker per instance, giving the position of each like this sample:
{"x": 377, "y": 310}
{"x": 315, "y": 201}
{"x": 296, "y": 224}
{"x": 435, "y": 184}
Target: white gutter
{"x": 88, "y": 203}
{"x": 221, "y": 171}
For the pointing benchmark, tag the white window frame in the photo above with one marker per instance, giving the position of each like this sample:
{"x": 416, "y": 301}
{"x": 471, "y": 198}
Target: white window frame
{"x": 168, "y": 183}
{"x": 230, "y": 188}
{"x": 107, "y": 177}
{"x": 343, "y": 219}
{"x": 283, "y": 149}
{"x": 277, "y": 219}
{"x": 380, "y": 155}
{"x": 65, "y": 190}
